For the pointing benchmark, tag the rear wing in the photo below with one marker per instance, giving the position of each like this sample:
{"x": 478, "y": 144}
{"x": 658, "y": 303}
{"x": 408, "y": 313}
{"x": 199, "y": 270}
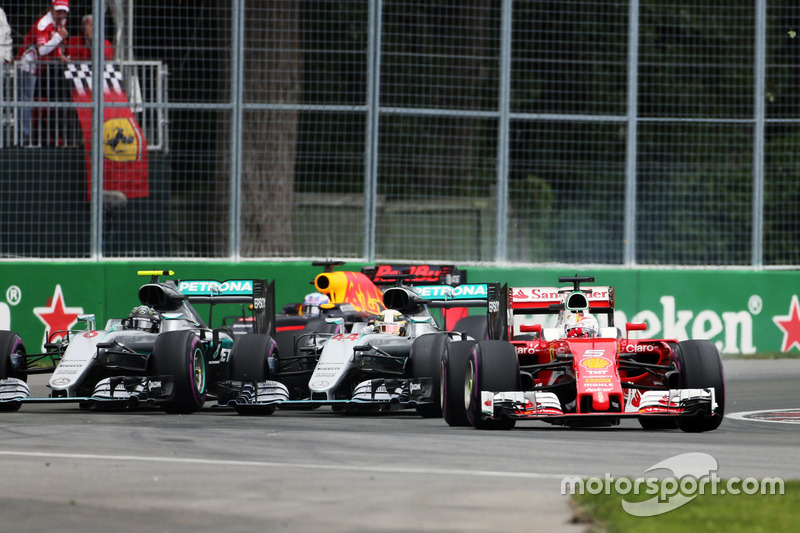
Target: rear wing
{"x": 424, "y": 274}
{"x": 411, "y": 300}
{"x": 445, "y": 296}
{"x": 259, "y": 294}
{"x": 550, "y": 300}
{"x": 540, "y": 300}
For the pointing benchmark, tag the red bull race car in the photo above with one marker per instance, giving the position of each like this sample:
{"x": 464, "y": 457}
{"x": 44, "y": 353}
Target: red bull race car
{"x": 562, "y": 360}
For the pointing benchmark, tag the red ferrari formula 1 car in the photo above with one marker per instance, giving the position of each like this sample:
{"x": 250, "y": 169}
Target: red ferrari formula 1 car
{"x": 563, "y": 361}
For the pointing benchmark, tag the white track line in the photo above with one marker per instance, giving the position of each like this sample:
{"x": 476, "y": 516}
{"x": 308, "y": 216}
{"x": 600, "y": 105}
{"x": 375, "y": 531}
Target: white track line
{"x": 310, "y": 466}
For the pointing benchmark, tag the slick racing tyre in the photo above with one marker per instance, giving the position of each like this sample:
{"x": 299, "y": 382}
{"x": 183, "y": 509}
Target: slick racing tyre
{"x": 10, "y": 345}
{"x": 249, "y": 362}
{"x": 180, "y": 354}
{"x": 249, "y": 359}
{"x": 425, "y": 358}
{"x": 492, "y": 366}
{"x": 700, "y": 367}
{"x": 454, "y": 369}
{"x": 476, "y": 326}
{"x": 654, "y": 424}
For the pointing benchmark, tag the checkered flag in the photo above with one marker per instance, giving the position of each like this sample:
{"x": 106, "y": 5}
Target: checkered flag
{"x": 81, "y": 77}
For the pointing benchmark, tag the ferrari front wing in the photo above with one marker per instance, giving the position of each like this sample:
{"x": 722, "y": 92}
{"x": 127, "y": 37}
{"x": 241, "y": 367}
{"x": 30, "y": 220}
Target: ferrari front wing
{"x": 533, "y": 405}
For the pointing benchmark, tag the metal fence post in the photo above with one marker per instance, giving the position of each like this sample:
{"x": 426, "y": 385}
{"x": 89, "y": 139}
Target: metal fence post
{"x": 98, "y": 118}
{"x": 371, "y": 150}
{"x": 758, "y": 134}
{"x": 503, "y": 125}
{"x": 237, "y": 91}
{"x": 629, "y": 245}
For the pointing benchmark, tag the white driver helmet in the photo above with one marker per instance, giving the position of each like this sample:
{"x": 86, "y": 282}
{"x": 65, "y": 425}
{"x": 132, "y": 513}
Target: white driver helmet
{"x": 581, "y": 324}
{"x": 391, "y": 321}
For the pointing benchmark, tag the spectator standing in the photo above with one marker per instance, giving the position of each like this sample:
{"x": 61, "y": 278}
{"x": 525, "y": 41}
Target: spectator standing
{"x": 79, "y": 47}
{"x": 42, "y": 42}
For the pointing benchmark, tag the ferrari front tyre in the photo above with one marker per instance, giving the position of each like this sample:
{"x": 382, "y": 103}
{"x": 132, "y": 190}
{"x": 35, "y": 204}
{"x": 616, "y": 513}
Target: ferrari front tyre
{"x": 453, "y": 372}
{"x": 658, "y": 423}
{"x": 180, "y": 354}
{"x": 492, "y": 366}
{"x": 10, "y": 345}
{"x": 700, "y": 367}
{"x": 425, "y": 358}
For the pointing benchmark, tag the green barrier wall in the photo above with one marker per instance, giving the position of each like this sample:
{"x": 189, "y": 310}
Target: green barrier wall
{"x": 743, "y": 312}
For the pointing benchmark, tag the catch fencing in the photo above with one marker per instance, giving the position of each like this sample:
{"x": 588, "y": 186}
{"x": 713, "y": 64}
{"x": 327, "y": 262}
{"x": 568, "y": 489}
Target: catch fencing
{"x": 639, "y": 133}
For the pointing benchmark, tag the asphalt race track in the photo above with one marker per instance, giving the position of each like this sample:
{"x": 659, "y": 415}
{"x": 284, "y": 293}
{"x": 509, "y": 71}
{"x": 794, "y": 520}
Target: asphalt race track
{"x": 68, "y": 470}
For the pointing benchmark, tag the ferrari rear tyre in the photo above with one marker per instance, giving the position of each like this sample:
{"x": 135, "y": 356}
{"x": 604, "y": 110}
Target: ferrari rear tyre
{"x": 180, "y": 354}
{"x": 425, "y": 358}
{"x": 453, "y": 372}
{"x": 10, "y": 345}
{"x": 700, "y": 367}
{"x": 493, "y": 366}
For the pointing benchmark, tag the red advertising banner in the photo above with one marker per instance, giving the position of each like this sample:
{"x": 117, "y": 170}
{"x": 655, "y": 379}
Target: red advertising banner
{"x": 125, "y": 165}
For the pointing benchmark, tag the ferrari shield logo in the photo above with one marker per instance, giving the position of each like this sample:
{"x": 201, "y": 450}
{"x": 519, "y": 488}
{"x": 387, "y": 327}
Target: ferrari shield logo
{"x": 121, "y": 140}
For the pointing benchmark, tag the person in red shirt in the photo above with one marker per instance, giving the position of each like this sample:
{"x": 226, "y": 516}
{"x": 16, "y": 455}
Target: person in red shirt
{"x": 79, "y": 47}
{"x": 43, "y": 42}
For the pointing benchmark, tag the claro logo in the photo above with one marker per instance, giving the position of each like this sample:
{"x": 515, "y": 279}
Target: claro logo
{"x": 734, "y": 327}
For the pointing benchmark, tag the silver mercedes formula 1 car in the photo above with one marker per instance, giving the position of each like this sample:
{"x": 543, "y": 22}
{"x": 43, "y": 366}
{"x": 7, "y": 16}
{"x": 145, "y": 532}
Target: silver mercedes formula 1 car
{"x": 393, "y": 362}
{"x": 163, "y": 354}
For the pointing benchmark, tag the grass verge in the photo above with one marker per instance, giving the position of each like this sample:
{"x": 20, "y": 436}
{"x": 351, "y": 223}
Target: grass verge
{"x": 729, "y": 513}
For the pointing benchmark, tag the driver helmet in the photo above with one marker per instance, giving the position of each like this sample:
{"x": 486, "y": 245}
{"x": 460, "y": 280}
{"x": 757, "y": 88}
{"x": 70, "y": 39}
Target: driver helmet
{"x": 581, "y": 324}
{"x": 391, "y": 321}
{"x": 143, "y": 318}
{"x": 312, "y": 303}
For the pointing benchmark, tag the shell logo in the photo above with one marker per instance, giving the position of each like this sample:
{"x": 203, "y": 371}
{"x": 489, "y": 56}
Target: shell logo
{"x": 595, "y": 362}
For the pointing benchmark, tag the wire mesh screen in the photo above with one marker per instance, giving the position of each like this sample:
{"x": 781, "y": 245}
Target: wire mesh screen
{"x": 782, "y": 157}
{"x": 568, "y": 192}
{"x": 628, "y": 132}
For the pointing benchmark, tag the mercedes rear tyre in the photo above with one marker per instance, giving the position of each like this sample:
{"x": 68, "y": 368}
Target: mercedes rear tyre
{"x": 249, "y": 358}
{"x": 180, "y": 354}
{"x": 492, "y": 367}
{"x": 476, "y": 326}
{"x": 454, "y": 369}
{"x": 249, "y": 362}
